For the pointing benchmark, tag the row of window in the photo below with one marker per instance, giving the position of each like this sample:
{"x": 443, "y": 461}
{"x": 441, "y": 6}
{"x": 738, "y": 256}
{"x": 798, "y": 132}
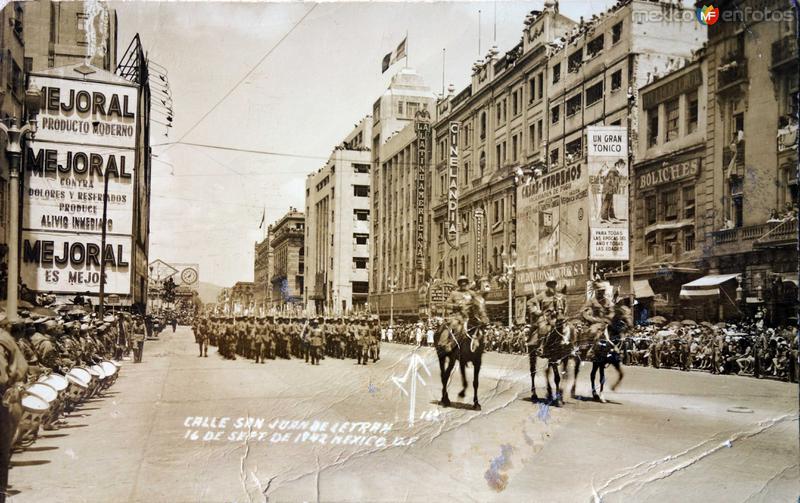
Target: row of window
{"x": 672, "y": 119}
{"x": 670, "y": 244}
{"x": 670, "y": 205}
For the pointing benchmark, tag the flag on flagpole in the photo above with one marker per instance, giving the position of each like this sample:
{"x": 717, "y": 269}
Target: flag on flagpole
{"x": 394, "y": 56}
{"x": 263, "y": 216}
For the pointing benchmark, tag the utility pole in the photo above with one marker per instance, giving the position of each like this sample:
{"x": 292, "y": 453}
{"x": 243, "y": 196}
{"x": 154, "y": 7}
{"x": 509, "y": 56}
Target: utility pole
{"x": 101, "y": 300}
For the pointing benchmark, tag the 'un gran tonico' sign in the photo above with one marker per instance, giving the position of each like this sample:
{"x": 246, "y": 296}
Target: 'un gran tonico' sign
{"x": 87, "y": 132}
{"x": 452, "y": 186}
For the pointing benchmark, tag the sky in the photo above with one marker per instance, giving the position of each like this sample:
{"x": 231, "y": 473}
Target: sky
{"x": 312, "y": 72}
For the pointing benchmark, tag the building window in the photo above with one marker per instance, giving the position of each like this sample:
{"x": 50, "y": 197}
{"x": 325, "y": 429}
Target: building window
{"x": 669, "y": 203}
{"x": 412, "y": 108}
{"x": 595, "y": 47}
{"x": 688, "y": 202}
{"x": 361, "y": 190}
{"x": 594, "y": 93}
{"x": 574, "y": 150}
{"x": 616, "y": 33}
{"x": 482, "y": 163}
{"x": 483, "y": 125}
{"x": 555, "y": 114}
{"x": 515, "y": 108}
{"x": 556, "y": 72}
{"x": 531, "y": 89}
{"x": 650, "y": 210}
{"x": 554, "y": 158}
{"x": 399, "y": 108}
{"x": 531, "y": 136}
{"x": 573, "y": 105}
{"x": 652, "y": 127}
{"x": 362, "y": 215}
{"x": 616, "y": 80}
{"x": 539, "y": 131}
{"x": 738, "y": 211}
{"x": 652, "y": 247}
{"x": 541, "y": 85}
{"x": 360, "y": 262}
{"x": 498, "y": 155}
{"x": 361, "y": 168}
{"x": 688, "y": 241}
{"x": 672, "y": 109}
{"x": 465, "y": 179}
{"x": 691, "y": 112}
{"x": 574, "y": 61}
{"x": 360, "y": 239}
{"x": 514, "y": 148}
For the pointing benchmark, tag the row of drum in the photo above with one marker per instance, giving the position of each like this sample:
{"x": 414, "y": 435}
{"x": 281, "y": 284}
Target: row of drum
{"x": 45, "y": 401}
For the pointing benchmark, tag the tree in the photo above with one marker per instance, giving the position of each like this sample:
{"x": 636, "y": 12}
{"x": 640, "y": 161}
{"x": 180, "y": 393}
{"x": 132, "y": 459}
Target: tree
{"x": 168, "y": 292}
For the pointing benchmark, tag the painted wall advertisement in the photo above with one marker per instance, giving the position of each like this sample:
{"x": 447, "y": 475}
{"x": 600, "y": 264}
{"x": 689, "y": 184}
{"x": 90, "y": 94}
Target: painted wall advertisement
{"x": 608, "y": 186}
{"x": 86, "y": 133}
{"x": 552, "y": 226}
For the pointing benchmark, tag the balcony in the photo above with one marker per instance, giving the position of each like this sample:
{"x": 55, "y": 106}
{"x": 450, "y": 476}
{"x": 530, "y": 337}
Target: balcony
{"x": 761, "y": 235}
{"x": 784, "y": 53}
{"x": 731, "y": 74}
{"x": 787, "y": 138}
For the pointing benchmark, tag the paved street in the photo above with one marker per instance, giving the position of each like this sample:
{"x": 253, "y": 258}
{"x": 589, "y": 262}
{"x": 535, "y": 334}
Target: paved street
{"x": 662, "y": 437}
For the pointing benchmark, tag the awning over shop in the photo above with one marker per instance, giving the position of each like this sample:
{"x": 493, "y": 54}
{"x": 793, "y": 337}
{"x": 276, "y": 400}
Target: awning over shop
{"x": 707, "y": 286}
{"x": 642, "y": 289}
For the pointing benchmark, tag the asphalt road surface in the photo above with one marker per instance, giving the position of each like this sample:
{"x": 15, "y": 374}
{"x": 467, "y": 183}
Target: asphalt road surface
{"x": 174, "y": 429}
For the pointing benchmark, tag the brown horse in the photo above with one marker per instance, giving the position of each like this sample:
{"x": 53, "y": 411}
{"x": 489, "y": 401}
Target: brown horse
{"x": 463, "y": 341}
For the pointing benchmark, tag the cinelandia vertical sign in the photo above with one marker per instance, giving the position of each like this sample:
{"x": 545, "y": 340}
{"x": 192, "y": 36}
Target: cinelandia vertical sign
{"x": 608, "y": 195}
{"x": 452, "y": 186}
{"x": 87, "y": 132}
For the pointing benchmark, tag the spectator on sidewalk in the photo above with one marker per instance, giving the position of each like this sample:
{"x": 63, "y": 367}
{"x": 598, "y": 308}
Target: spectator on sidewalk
{"x": 138, "y": 339}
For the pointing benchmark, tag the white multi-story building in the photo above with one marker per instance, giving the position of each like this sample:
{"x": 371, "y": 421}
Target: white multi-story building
{"x": 338, "y": 228}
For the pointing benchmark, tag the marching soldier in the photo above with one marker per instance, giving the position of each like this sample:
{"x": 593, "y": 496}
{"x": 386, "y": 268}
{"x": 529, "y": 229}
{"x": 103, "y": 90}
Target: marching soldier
{"x": 375, "y": 338}
{"x": 317, "y": 340}
{"x": 258, "y": 344}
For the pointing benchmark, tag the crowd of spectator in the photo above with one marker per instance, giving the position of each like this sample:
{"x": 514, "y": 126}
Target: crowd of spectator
{"x": 744, "y": 348}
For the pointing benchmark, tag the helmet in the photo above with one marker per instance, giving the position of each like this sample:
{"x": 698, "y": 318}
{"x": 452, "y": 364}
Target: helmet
{"x": 551, "y": 280}
{"x": 462, "y": 279}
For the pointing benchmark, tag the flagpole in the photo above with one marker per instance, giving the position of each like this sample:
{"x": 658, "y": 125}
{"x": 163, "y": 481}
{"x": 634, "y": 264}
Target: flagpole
{"x": 406, "y": 48}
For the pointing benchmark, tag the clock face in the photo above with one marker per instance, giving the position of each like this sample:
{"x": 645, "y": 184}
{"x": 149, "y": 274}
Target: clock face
{"x": 189, "y": 276}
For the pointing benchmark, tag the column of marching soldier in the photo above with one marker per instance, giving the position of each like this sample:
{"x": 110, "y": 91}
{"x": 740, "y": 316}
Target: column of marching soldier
{"x": 308, "y": 338}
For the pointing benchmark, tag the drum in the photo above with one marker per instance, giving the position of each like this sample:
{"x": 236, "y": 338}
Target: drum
{"x": 57, "y": 381}
{"x": 109, "y": 368}
{"x": 78, "y": 386}
{"x": 100, "y": 372}
{"x": 82, "y": 374}
{"x": 42, "y": 391}
{"x": 33, "y": 409}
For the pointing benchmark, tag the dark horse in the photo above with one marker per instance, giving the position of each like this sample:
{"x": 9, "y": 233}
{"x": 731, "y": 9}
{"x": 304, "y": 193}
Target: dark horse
{"x": 463, "y": 342}
{"x": 558, "y": 346}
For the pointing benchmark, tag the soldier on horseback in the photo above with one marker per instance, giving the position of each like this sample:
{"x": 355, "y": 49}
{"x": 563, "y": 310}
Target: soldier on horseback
{"x": 459, "y": 303}
{"x": 604, "y": 317}
{"x": 548, "y": 337}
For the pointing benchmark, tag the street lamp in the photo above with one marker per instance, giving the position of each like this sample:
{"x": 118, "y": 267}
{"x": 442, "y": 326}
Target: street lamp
{"x": 510, "y": 266}
{"x": 15, "y": 137}
{"x": 392, "y": 286}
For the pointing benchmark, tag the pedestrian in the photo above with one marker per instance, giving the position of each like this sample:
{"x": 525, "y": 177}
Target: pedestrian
{"x": 174, "y": 324}
{"x": 138, "y": 339}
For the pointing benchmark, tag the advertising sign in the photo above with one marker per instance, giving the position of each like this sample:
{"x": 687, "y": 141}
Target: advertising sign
{"x": 87, "y": 132}
{"x": 552, "y": 227}
{"x": 422, "y": 159}
{"x": 479, "y": 242}
{"x": 452, "y": 185}
{"x": 70, "y": 263}
{"x": 86, "y": 113}
{"x": 608, "y": 198}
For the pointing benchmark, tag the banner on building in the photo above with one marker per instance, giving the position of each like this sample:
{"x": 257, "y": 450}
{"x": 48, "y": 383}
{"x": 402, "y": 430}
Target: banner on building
{"x": 86, "y": 134}
{"x": 452, "y": 186}
{"x": 552, "y": 228}
{"x": 608, "y": 192}
{"x": 479, "y": 219}
{"x": 422, "y": 128}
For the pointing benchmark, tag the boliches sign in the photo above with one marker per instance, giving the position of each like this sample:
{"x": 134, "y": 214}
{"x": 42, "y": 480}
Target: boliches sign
{"x": 452, "y": 186}
{"x": 87, "y": 133}
{"x": 608, "y": 192}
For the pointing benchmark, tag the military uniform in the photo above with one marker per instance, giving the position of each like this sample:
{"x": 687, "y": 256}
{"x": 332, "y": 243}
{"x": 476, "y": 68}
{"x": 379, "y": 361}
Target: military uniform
{"x": 316, "y": 341}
